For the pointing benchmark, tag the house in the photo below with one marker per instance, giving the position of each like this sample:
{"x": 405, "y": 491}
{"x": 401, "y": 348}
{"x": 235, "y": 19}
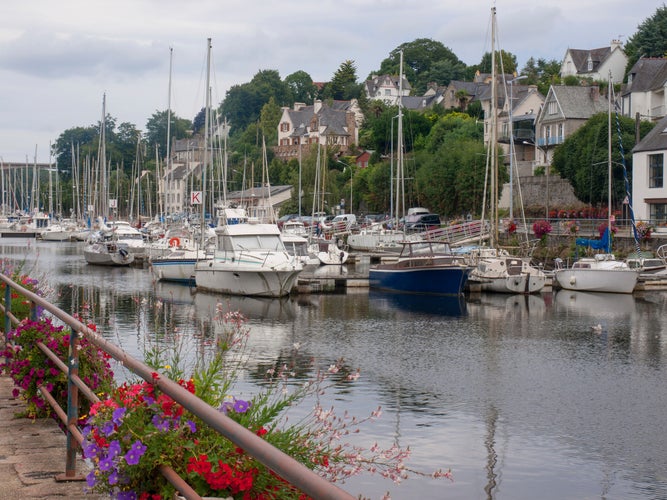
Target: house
{"x": 262, "y": 201}
{"x": 457, "y": 95}
{"x": 646, "y": 91}
{"x": 387, "y": 88}
{"x": 565, "y": 109}
{"x": 361, "y": 161}
{"x": 596, "y": 64}
{"x": 649, "y": 189}
{"x": 335, "y": 124}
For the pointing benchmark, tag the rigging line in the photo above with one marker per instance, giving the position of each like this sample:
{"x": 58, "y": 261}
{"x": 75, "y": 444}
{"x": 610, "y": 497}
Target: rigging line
{"x": 628, "y": 191}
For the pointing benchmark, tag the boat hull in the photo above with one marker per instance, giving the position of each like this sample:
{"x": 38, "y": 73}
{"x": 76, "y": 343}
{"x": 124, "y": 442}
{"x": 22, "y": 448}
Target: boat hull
{"x": 174, "y": 269}
{"x": 219, "y": 277}
{"x": 100, "y": 255}
{"x": 449, "y": 280}
{"x": 597, "y": 280}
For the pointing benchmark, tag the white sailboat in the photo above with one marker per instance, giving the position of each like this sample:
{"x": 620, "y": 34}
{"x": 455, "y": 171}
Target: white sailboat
{"x": 496, "y": 270}
{"x": 378, "y": 237}
{"x": 601, "y": 272}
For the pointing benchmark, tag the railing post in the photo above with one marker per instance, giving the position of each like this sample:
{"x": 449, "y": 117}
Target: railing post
{"x": 72, "y": 408}
{"x": 8, "y": 309}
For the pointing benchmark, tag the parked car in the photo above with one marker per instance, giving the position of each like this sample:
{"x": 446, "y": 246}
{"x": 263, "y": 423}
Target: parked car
{"x": 285, "y": 218}
{"x": 422, "y": 222}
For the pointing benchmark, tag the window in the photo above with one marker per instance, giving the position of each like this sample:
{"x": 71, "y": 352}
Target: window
{"x": 655, "y": 171}
{"x": 658, "y": 212}
{"x": 284, "y": 127}
{"x": 552, "y": 108}
{"x": 387, "y": 91}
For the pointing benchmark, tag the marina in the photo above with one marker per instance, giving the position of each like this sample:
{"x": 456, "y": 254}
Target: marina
{"x": 515, "y": 393}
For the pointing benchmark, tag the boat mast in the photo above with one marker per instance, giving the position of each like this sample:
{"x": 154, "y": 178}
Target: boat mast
{"x": 494, "y": 134}
{"x": 167, "y": 168}
{"x": 206, "y": 125}
{"x": 400, "y": 184}
{"x": 609, "y": 216}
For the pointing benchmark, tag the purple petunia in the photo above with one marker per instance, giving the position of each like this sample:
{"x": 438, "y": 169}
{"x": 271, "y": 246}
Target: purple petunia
{"x": 90, "y": 450}
{"x": 107, "y": 428}
{"x": 161, "y": 424}
{"x": 114, "y": 449}
{"x": 118, "y": 415}
{"x": 113, "y": 477}
{"x": 126, "y": 495}
{"x": 135, "y": 452}
{"x": 106, "y": 464}
{"x": 192, "y": 426}
{"x": 91, "y": 480}
{"x": 241, "y": 406}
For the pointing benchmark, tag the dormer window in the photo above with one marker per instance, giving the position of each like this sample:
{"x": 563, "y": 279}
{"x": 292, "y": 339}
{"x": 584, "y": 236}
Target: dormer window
{"x": 590, "y": 63}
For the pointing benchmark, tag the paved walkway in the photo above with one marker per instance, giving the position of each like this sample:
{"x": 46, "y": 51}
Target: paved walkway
{"x": 32, "y": 454}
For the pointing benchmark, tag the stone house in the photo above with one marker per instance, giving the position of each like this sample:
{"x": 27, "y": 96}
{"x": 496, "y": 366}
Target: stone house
{"x": 646, "y": 91}
{"x": 565, "y": 109}
{"x": 334, "y": 124}
{"x": 649, "y": 189}
{"x": 596, "y": 64}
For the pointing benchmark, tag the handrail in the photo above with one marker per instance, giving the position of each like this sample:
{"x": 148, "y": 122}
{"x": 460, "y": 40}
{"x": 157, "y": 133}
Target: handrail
{"x": 282, "y": 464}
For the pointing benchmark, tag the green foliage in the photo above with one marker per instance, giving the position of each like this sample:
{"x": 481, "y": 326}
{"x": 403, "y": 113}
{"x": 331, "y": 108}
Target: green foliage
{"x": 650, "y": 40}
{"x": 424, "y": 61}
{"x": 542, "y": 73}
{"x": 301, "y": 87}
{"x": 243, "y": 103}
{"x": 583, "y": 158}
{"x": 505, "y": 61}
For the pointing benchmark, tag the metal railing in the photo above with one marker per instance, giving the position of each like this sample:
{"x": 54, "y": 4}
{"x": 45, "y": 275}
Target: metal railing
{"x": 282, "y": 464}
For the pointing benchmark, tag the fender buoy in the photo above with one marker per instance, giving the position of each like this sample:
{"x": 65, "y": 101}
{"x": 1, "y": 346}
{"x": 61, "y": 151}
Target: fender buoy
{"x": 174, "y": 242}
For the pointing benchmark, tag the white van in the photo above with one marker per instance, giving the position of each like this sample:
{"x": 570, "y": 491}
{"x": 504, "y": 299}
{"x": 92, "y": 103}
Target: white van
{"x": 349, "y": 219}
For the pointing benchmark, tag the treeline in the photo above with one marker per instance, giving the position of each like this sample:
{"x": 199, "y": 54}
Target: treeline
{"x": 445, "y": 161}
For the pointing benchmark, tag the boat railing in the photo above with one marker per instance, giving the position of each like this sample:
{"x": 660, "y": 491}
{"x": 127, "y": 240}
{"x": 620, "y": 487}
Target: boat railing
{"x": 282, "y": 464}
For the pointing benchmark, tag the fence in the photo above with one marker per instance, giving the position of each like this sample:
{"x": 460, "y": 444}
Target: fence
{"x": 285, "y": 466}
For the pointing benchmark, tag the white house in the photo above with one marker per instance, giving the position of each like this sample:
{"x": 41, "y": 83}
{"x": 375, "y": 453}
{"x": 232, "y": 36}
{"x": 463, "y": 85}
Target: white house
{"x": 646, "y": 91}
{"x": 387, "y": 88}
{"x": 596, "y": 63}
{"x": 649, "y": 189}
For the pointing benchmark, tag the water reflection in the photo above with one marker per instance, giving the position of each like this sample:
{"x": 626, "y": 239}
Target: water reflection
{"x": 419, "y": 304}
{"x": 515, "y": 393}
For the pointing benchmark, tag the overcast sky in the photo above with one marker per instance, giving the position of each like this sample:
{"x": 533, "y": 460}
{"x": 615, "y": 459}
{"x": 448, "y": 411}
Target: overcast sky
{"x": 58, "y": 58}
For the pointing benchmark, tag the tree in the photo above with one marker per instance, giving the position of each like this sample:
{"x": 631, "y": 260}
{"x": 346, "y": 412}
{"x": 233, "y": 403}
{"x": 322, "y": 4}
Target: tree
{"x": 506, "y": 62}
{"x": 269, "y": 120}
{"x": 156, "y": 131}
{"x": 243, "y": 103}
{"x": 301, "y": 87}
{"x": 583, "y": 158}
{"x": 542, "y": 73}
{"x": 343, "y": 85}
{"x": 424, "y": 61}
{"x": 650, "y": 40}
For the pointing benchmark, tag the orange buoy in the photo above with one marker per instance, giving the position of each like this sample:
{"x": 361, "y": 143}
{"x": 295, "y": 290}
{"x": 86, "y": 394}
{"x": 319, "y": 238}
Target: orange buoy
{"x": 174, "y": 242}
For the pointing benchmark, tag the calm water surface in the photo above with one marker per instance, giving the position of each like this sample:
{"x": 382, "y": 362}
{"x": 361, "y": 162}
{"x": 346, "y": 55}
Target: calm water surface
{"x": 517, "y": 395}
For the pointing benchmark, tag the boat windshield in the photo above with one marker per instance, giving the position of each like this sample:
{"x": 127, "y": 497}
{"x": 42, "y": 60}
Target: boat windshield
{"x": 271, "y": 242}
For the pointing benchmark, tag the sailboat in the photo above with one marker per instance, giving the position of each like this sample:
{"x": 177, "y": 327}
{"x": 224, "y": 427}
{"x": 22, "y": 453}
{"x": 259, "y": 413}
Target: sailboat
{"x": 496, "y": 270}
{"x": 379, "y": 238}
{"x": 601, "y": 272}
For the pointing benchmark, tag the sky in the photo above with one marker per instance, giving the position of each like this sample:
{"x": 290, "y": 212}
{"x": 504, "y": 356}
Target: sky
{"x": 59, "y": 58}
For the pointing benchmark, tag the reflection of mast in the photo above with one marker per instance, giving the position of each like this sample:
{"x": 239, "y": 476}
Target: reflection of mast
{"x": 491, "y": 455}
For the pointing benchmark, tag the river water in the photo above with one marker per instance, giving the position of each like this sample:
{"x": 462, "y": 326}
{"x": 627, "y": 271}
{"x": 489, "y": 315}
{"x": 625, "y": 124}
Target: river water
{"x": 517, "y": 395}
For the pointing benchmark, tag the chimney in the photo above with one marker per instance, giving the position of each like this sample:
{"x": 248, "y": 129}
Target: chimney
{"x": 595, "y": 93}
{"x": 317, "y": 105}
{"x": 615, "y": 44}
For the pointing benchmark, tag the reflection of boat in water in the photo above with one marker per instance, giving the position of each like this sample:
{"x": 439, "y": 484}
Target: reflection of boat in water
{"x": 436, "y": 305}
{"x": 596, "y": 304}
{"x": 251, "y": 307}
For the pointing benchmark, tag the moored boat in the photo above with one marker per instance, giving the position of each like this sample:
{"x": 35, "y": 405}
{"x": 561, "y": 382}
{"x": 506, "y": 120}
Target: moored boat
{"x": 422, "y": 267}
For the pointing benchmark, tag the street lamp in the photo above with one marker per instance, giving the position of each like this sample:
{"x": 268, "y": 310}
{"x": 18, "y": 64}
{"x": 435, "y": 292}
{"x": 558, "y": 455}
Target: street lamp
{"x": 511, "y": 82}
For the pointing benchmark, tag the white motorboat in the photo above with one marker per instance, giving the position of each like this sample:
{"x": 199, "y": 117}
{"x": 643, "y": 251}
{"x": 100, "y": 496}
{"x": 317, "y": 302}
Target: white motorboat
{"x": 600, "y": 273}
{"x": 249, "y": 259}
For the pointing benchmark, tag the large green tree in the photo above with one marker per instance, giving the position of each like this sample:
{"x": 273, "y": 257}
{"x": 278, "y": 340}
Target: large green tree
{"x": 243, "y": 103}
{"x": 343, "y": 85}
{"x": 424, "y": 61}
{"x": 301, "y": 87}
{"x": 156, "y": 131}
{"x": 650, "y": 40}
{"x": 505, "y": 63}
{"x": 542, "y": 73}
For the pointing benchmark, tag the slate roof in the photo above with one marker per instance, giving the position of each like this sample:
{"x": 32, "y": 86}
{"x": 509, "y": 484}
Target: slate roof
{"x": 258, "y": 192}
{"x": 576, "y": 102}
{"x": 376, "y": 82}
{"x": 333, "y": 119}
{"x": 655, "y": 140}
{"x": 580, "y": 58}
{"x": 647, "y": 74}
